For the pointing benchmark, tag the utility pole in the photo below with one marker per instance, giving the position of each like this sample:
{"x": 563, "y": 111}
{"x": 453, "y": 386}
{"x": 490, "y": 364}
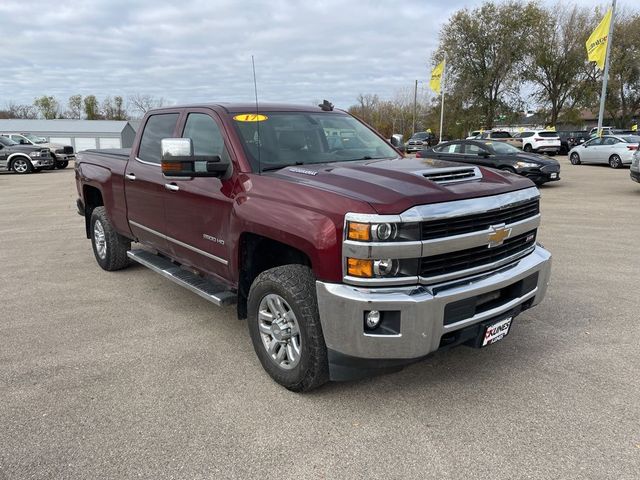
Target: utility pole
{"x": 415, "y": 106}
{"x": 605, "y": 75}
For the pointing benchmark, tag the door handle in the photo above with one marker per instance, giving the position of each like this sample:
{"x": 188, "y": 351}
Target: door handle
{"x": 171, "y": 186}
{"x": 130, "y": 176}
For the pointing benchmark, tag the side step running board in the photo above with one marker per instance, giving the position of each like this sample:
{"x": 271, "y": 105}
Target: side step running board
{"x": 207, "y": 289}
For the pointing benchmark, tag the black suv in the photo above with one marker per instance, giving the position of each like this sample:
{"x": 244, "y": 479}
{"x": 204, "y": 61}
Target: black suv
{"x": 23, "y": 158}
{"x": 571, "y": 138}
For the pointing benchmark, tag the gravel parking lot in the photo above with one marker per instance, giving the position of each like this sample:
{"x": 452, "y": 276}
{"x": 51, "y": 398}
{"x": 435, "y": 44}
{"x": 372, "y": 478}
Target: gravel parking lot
{"x": 120, "y": 375}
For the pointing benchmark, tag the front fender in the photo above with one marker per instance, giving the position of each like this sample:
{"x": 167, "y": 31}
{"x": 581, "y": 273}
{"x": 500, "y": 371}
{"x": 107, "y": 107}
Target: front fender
{"x": 317, "y": 234}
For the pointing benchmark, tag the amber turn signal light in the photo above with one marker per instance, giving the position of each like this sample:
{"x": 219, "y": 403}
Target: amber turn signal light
{"x": 171, "y": 167}
{"x": 360, "y": 268}
{"x": 358, "y": 231}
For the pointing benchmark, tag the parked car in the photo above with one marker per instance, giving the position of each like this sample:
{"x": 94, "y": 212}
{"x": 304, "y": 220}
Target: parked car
{"x": 571, "y": 138}
{"x": 610, "y": 149}
{"x": 635, "y": 167}
{"x": 474, "y": 134}
{"x": 489, "y": 153}
{"x": 23, "y": 158}
{"x": 62, "y": 154}
{"x": 328, "y": 250}
{"x": 501, "y": 136}
{"x": 420, "y": 139}
{"x": 539, "y": 141}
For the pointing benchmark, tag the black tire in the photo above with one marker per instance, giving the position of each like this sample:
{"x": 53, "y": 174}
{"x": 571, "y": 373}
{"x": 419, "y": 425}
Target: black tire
{"x": 527, "y": 148}
{"x": 116, "y": 246}
{"x": 21, "y": 165}
{"x": 552, "y": 154}
{"x": 575, "y": 159}
{"x": 508, "y": 169}
{"x": 62, "y": 164}
{"x": 296, "y": 285}
{"x": 615, "y": 161}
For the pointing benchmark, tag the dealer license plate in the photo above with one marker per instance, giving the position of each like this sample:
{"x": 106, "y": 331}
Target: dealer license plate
{"x": 554, "y": 175}
{"x": 496, "y": 331}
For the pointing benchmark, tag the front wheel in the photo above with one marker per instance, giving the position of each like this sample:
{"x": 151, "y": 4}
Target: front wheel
{"x": 109, "y": 247}
{"x": 615, "y": 161}
{"x": 527, "y": 148}
{"x": 62, "y": 164}
{"x": 21, "y": 165}
{"x": 284, "y": 325}
{"x": 575, "y": 159}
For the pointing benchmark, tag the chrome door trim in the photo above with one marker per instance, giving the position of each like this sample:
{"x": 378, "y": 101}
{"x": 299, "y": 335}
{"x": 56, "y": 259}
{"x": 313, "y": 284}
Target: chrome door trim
{"x": 178, "y": 242}
{"x": 147, "y": 163}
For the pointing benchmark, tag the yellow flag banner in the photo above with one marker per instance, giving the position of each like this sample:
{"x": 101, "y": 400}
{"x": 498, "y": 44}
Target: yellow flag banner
{"x": 597, "y": 42}
{"x": 436, "y": 77}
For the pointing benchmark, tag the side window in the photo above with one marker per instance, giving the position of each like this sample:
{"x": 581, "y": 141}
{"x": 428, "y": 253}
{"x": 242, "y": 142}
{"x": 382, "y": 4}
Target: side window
{"x": 454, "y": 148}
{"x": 473, "y": 149}
{"x": 157, "y": 127}
{"x": 610, "y": 141}
{"x": 526, "y": 134}
{"x": 594, "y": 142}
{"x": 206, "y": 136}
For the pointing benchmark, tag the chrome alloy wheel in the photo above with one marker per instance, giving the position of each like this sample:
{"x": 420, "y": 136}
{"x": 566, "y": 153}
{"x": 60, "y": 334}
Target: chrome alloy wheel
{"x": 99, "y": 239}
{"x": 279, "y": 331}
{"x": 20, "y": 165}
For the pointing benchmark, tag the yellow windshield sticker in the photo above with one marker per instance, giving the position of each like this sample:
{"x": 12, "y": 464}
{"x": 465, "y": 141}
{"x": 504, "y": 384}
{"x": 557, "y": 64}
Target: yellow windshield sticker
{"x": 250, "y": 117}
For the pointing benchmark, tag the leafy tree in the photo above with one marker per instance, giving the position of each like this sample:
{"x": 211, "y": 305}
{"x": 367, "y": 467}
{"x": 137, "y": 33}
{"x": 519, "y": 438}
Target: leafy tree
{"x": 113, "y": 108}
{"x": 48, "y": 107}
{"x": 74, "y": 107}
{"x": 91, "y": 108}
{"x": 557, "y": 66}
{"x": 486, "y": 48}
{"x": 623, "y": 90}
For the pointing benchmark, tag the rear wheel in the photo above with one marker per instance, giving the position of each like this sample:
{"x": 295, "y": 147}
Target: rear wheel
{"x": 285, "y": 328}
{"x": 575, "y": 159}
{"x": 109, "y": 247}
{"x": 615, "y": 161}
{"x": 21, "y": 165}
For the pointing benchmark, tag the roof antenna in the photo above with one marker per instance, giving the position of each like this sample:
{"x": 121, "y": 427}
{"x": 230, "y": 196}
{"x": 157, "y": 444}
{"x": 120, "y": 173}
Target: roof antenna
{"x": 255, "y": 89}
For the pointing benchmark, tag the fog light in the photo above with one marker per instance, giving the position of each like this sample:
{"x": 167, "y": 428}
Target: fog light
{"x": 386, "y": 267}
{"x": 373, "y": 319}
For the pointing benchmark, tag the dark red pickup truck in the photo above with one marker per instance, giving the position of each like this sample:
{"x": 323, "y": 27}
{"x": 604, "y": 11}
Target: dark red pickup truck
{"x": 346, "y": 258}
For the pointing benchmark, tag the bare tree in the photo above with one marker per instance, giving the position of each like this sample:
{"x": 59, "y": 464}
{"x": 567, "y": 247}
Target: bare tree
{"x": 141, "y": 104}
{"x": 74, "y": 107}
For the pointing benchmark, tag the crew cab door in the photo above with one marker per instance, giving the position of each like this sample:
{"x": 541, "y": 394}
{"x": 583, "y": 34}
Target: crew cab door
{"x": 144, "y": 182}
{"x": 198, "y": 209}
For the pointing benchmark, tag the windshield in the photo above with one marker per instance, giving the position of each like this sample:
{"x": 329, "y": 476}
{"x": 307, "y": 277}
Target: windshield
{"x": 33, "y": 138}
{"x": 303, "y": 138}
{"x": 548, "y": 134}
{"x": 7, "y": 142}
{"x": 503, "y": 148}
{"x": 500, "y": 134}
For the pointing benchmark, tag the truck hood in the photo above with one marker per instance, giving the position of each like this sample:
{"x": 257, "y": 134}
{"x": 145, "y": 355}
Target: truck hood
{"x": 392, "y": 186}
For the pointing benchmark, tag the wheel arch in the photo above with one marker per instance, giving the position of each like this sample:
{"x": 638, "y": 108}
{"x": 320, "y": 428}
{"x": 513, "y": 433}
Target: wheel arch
{"x": 258, "y": 253}
{"x": 11, "y": 157}
{"x": 92, "y": 198}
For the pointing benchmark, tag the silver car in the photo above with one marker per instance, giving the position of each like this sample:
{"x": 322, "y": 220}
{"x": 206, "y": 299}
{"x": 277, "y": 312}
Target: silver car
{"x": 615, "y": 150}
{"x": 635, "y": 167}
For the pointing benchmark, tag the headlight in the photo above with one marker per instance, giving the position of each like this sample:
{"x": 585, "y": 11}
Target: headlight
{"x": 527, "y": 165}
{"x": 34, "y": 154}
{"x": 382, "y": 232}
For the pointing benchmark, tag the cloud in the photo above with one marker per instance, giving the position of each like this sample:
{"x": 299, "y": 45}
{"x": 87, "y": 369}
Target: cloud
{"x": 193, "y": 51}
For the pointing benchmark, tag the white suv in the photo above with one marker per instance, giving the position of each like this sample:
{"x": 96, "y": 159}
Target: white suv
{"x": 539, "y": 141}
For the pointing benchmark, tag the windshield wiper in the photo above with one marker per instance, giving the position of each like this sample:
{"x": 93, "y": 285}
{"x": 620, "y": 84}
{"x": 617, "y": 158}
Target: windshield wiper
{"x": 281, "y": 166}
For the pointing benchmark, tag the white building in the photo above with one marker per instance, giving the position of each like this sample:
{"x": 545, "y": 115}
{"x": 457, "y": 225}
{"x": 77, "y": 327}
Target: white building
{"x": 80, "y": 134}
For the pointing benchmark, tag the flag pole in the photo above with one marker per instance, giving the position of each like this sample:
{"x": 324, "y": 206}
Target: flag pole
{"x": 442, "y": 79}
{"x": 605, "y": 75}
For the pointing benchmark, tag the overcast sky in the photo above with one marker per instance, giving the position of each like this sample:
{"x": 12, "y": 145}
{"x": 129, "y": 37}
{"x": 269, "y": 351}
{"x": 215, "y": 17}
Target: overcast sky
{"x": 191, "y": 51}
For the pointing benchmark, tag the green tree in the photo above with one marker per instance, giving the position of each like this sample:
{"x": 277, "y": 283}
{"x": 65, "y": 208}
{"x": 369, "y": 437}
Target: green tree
{"x": 48, "y": 107}
{"x": 74, "y": 107}
{"x": 113, "y": 108}
{"x": 486, "y": 49}
{"x": 91, "y": 108}
{"x": 557, "y": 66}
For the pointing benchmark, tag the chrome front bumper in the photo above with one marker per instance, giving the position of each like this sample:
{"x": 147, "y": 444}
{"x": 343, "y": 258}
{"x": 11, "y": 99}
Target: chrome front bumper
{"x": 422, "y": 310}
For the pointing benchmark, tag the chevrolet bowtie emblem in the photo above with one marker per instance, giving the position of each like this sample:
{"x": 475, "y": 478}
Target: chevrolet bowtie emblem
{"x": 499, "y": 233}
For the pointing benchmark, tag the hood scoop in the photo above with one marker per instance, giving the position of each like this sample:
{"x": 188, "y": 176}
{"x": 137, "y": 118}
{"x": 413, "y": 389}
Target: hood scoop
{"x": 443, "y": 176}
